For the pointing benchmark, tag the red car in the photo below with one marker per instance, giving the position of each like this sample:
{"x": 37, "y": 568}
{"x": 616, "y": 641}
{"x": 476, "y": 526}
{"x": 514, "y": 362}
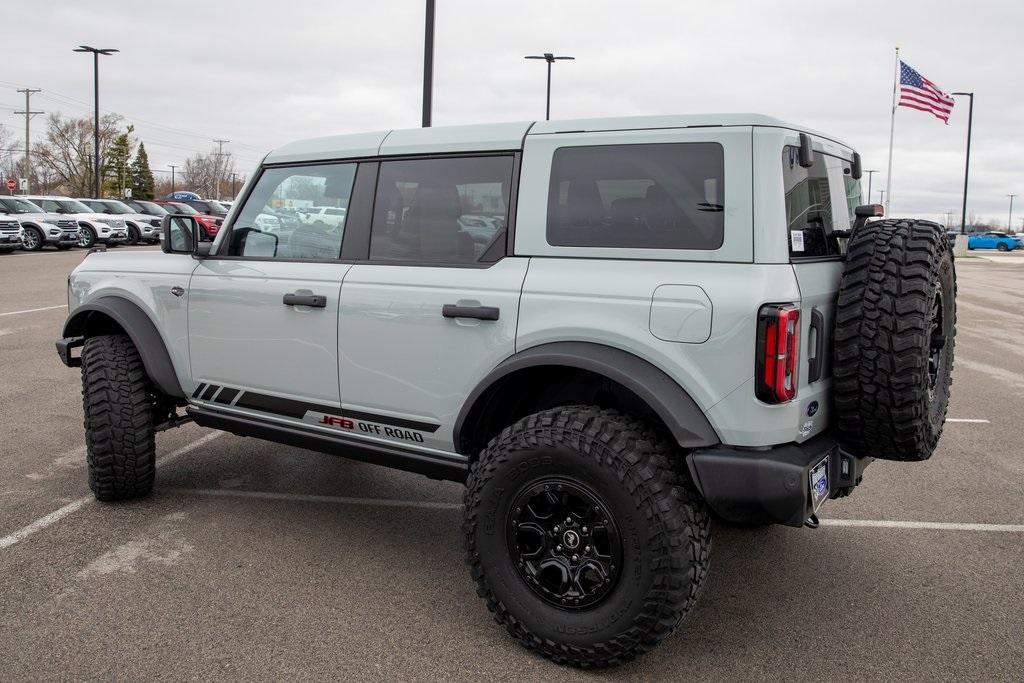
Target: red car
{"x": 211, "y": 224}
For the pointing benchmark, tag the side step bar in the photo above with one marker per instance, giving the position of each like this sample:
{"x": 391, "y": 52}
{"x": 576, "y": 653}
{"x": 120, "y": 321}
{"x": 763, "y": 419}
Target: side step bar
{"x": 455, "y": 468}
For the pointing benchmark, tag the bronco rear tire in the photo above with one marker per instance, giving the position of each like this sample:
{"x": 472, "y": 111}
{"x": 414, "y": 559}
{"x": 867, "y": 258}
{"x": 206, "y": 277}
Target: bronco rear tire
{"x": 585, "y": 542}
{"x": 118, "y": 401}
{"x": 894, "y": 337}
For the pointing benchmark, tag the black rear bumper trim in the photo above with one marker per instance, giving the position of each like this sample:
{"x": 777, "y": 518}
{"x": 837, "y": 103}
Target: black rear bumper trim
{"x": 747, "y": 486}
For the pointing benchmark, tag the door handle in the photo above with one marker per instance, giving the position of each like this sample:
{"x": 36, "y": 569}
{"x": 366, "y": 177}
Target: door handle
{"x": 815, "y": 363}
{"x": 478, "y": 312}
{"x": 313, "y": 300}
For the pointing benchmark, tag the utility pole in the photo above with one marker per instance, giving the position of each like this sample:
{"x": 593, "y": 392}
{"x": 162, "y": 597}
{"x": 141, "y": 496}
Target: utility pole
{"x": 550, "y": 58}
{"x": 220, "y": 157}
{"x": 233, "y": 176}
{"x": 428, "y": 64}
{"x": 1009, "y": 220}
{"x": 28, "y": 145}
{"x": 96, "y": 52}
{"x": 172, "y": 176}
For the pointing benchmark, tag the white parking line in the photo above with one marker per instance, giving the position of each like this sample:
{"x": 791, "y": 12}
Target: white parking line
{"x": 34, "y": 310}
{"x": 423, "y": 504}
{"x": 60, "y": 513}
{"x": 971, "y": 420}
{"x": 940, "y": 526}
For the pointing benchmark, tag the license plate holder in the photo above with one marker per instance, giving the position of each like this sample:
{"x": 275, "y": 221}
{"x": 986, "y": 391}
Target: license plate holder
{"x": 819, "y": 484}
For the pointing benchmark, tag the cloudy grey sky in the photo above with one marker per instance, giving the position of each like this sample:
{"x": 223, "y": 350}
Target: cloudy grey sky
{"x": 261, "y": 73}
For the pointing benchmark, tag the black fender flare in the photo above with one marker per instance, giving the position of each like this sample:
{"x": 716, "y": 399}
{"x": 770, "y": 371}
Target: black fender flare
{"x": 676, "y": 408}
{"x": 140, "y": 329}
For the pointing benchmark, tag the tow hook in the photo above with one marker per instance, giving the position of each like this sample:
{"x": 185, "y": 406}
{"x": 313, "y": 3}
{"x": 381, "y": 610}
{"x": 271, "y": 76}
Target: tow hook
{"x": 812, "y": 522}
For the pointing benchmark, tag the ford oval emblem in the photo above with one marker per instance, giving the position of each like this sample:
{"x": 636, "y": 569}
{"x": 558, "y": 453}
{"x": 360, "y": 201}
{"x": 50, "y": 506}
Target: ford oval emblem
{"x": 812, "y": 408}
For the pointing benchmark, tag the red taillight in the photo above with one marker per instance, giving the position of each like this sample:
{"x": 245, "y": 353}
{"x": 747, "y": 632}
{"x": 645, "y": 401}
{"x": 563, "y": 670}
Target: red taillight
{"x": 778, "y": 326}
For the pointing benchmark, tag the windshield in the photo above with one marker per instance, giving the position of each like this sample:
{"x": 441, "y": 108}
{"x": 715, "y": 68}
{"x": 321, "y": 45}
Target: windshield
{"x": 175, "y": 207}
{"x": 151, "y": 208}
{"x": 117, "y": 207}
{"x": 69, "y": 205}
{"x": 12, "y": 205}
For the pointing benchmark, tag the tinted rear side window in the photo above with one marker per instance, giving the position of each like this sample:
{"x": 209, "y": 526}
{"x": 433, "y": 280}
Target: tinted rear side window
{"x": 652, "y": 196}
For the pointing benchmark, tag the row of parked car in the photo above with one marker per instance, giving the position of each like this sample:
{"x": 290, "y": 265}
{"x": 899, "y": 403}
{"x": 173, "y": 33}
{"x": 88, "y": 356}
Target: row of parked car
{"x": 33, "y": 222}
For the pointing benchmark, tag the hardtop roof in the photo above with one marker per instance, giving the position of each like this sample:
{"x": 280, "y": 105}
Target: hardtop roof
{"x": 489, "y": 137}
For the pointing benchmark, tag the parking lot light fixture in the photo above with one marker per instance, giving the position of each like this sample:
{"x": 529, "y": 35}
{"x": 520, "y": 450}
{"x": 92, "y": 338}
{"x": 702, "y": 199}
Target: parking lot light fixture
{"x": 1009, "y": 219}
{"x": 96, "y": 52}
{"x": 550, "y": 58}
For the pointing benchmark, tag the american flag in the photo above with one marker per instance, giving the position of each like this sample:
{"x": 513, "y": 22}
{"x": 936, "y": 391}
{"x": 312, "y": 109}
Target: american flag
{"x": 917, "y": 92}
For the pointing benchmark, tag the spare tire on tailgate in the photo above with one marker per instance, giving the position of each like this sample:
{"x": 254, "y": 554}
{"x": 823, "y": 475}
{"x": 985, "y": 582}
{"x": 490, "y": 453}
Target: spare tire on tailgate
{"x": 895, "y": 325}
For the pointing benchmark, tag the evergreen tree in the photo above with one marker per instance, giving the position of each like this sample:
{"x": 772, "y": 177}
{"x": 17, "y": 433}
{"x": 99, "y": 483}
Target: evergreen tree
{"x": 142, "y": 183}
{"x": 118, "y": 165}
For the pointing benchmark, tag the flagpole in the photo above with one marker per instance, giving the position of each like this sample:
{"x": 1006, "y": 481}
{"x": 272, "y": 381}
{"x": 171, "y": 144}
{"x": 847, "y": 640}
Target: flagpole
{"x": 892, "y": 131}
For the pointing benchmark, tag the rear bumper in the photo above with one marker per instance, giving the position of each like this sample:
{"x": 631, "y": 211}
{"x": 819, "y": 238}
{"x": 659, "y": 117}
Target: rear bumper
{"x": 771, "y": 486}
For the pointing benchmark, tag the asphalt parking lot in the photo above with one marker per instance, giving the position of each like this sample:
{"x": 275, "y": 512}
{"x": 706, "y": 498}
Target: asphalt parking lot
{"x": 259, "y": 561}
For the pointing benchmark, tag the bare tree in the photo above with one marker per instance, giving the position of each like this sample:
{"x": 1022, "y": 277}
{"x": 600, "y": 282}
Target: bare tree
{"x": 67, "y": 153}
{"x": 203, "y": 172}
{"x": 8, "y": 147}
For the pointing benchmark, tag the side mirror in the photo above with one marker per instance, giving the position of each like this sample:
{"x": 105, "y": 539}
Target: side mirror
{"x": 856, "y": 170}
{"x": 806, "y": 153}
{"x": 177, "y": 234}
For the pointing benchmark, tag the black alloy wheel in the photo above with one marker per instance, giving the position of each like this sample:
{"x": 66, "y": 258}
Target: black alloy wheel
{"x": 564, "y": 543}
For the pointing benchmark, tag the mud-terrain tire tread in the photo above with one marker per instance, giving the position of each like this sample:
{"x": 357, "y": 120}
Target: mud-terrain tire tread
{"x": 117, "y": 398}
{"x": 882, "y": 323}
{"x": 643, "y": 462}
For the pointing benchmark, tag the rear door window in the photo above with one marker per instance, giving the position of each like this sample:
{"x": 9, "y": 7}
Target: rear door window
{"x": 653, "y": 196}
{"x": 819, "y": 200}
{"x": 442, "y": 211}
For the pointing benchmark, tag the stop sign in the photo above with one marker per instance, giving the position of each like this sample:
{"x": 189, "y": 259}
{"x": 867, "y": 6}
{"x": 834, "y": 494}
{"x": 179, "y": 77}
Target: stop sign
{"x": 11, "y": 184}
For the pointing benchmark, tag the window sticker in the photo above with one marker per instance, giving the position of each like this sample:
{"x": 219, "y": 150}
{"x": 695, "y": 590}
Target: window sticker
{"x": 796, "y": 238}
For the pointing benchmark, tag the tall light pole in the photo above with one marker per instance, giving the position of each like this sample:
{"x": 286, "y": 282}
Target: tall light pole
{"x": 870, "y": 174}
{"x": 172, "y": 176}
{"x": 1009, "y": 220}
{"x": 881, "y": 199}
{"x": 550, "y": 58}
{"x": 967, "y": 163}
{"x": 428, "y": 63}
{"x": 96, "y": 52}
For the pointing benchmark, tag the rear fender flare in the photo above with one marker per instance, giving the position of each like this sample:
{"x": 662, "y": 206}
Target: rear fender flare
{"x": 676, "y": 408}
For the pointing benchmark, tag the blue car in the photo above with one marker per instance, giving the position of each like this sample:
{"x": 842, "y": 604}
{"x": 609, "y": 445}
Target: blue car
{"x": 994, "y": 240}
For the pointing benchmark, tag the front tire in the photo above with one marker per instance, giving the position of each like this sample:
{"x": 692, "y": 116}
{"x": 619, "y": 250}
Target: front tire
{"x": 118, "y": 400}
{"x": 86, "y": 237}
{"x": 584, "y": 541}
{"x": 133, "y": 236}
{"x": 33, "y": 239}
{"x": 1002, "y": 247}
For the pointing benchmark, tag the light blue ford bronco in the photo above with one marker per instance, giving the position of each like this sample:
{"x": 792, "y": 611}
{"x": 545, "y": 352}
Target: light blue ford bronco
{"x": 611, "y": 330}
